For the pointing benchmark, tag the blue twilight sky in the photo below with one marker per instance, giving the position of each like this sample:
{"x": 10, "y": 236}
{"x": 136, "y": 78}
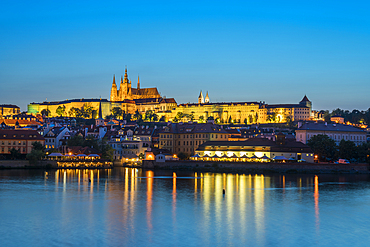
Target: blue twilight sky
{"x": 272, "y": 51}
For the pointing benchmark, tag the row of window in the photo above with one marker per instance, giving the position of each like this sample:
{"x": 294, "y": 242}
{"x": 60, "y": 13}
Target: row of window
{"x": 196, "y": 136}
{"x": 14, "y": 143}
{"x": 185, "y": 143}
{"x": 340, "y": 137}
{"x": 19, "y": 149}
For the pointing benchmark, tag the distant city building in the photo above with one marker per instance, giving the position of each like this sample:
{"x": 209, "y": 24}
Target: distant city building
{"x": 337, "y": 132}
{"x": 9, "y": 110}
{"x": 19, "y": 139}
{"x": 337, "y": 119}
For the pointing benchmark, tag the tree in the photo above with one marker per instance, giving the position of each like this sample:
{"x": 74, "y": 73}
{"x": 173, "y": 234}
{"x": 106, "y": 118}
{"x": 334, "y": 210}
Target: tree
{"x": 117, "y": 112}
{"x": 141, "y": 156}
{"x": 45, "y": 112}
{"x": 183, "y": 156}
{"x": 250, "y": 119}
{"x": 38, "y": 151}
{"x": 60, "y": 110}
{"x": 256, "y": 118}
{"x": 364, "y": 152}
{"x": 210, "y": 118}
{"x": 323, "y": 146}
{"x": 178, "y": 117}
{"x": 94, "y": 114}
{"x": 162, "y": 119}
{"x": 148, "y": 115}
{"x": 138, "y": 117}
{"x": 75, "y": 140}
{"x": 106, "y": 150}
{"x": 191, "y": 116}
{"x": 289, "y": 122}
{"x": 347, "y": 150}
{"x": 230, "y": 120}
{"x": 201, "y": 118}
{"x": 15, "y": 154}
{"x": 155, "y": 117}
{"x": 128, "y": 117}
{"x": 87, "y": 110}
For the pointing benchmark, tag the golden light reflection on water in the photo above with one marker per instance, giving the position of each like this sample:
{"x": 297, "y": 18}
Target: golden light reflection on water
{"x": 316, "y": 196}
{"x": 149, "y": 200}
{"x": 244, "y": 200}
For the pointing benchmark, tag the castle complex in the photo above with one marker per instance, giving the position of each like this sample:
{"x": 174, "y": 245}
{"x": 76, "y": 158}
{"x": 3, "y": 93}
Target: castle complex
{"x": 125, "y": 90}
{"x": 131, "y": 99}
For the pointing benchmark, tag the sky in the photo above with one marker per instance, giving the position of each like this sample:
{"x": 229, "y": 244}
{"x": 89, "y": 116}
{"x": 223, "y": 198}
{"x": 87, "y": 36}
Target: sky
{"x": 271, "y": 51}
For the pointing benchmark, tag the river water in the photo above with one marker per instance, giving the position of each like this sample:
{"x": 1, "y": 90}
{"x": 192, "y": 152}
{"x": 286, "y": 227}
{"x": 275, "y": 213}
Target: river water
{"x": 134, "y": 207}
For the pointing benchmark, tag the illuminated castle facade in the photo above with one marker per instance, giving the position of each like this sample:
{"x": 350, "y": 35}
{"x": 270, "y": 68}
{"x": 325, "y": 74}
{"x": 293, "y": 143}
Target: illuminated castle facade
{"x": 127, "y": 92}
{"x": 131, "y": 99}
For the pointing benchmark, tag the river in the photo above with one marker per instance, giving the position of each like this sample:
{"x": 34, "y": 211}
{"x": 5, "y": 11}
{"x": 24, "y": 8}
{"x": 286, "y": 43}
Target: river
{"x": 134, "y": 207}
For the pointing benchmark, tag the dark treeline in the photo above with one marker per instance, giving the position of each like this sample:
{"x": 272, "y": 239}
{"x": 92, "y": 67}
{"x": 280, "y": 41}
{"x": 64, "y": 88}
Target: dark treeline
{"x": 354, "y": 116}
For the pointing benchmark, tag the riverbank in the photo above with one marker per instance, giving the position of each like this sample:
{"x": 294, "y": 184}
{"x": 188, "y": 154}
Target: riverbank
{"x": 52, "y": 164}
{"x": 214, "y": 166}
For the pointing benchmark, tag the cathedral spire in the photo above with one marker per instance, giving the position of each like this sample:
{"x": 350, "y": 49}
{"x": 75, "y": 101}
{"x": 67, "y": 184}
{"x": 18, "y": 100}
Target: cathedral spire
{"x": 200, "y": 98}
{"x": 138, "y": 82}
{"x": 206, "y": 100}
{"x": 114, "y": 80}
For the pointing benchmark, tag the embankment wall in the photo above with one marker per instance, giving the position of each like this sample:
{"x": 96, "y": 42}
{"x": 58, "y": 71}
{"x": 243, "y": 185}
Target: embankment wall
{"x": 258, "y": 167}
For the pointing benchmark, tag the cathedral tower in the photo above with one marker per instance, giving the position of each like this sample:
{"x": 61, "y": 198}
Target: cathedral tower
{"x": 200, "y": 98}
{"x": 113, "y": 91}
{"x": 206, "y": 100}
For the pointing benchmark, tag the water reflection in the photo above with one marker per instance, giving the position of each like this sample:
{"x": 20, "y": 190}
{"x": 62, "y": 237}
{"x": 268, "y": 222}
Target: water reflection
{"x": 126, "y": 204}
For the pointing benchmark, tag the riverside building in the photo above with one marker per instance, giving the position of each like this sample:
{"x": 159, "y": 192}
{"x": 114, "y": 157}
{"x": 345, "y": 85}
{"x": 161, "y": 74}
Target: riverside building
{"x": 335, "y": 131}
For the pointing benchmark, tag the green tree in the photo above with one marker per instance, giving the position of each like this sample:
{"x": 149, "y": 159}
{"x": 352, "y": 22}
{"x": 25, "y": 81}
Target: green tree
{"x": 37, "y": 153}
{"x": 87, "y": 110}
{"x": 148, "y": 115}
{"x": 347, "y": 150}
{"x": 162, "y": 119}
{"x": 250, "y": 119}
{"x": 141, "y": 156}
{"x": 106, "y": 150}
{"x": 289, "y": 121}
{"x": 60, "y": 110}
{"x": 201, "y": 118}
{"x": 75, "y": 140}
{"x": 138, "y": 117}
{"x": 94, "y": 114}
{"x": 323, "y": 146}
{"x": 183, "y": 156}
{"x": 155, "y": 117}
{"x": 15, "y": 154}
{"x": 256, "y": 118}
{"x": 128, "y": 117}
{"x": 45, "y": 112}
{"x": 363, "y": 151}
{"x": 117, "y": 112}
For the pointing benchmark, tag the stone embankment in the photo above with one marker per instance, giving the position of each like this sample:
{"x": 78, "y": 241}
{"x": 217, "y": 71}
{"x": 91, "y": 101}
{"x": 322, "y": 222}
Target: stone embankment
{"x": 5, "y": 164}
{"x": 257, "y": 167}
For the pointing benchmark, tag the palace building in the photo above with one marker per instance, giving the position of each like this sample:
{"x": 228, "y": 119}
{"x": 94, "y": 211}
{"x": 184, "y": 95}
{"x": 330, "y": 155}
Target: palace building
{"x": 131, "y": 99}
